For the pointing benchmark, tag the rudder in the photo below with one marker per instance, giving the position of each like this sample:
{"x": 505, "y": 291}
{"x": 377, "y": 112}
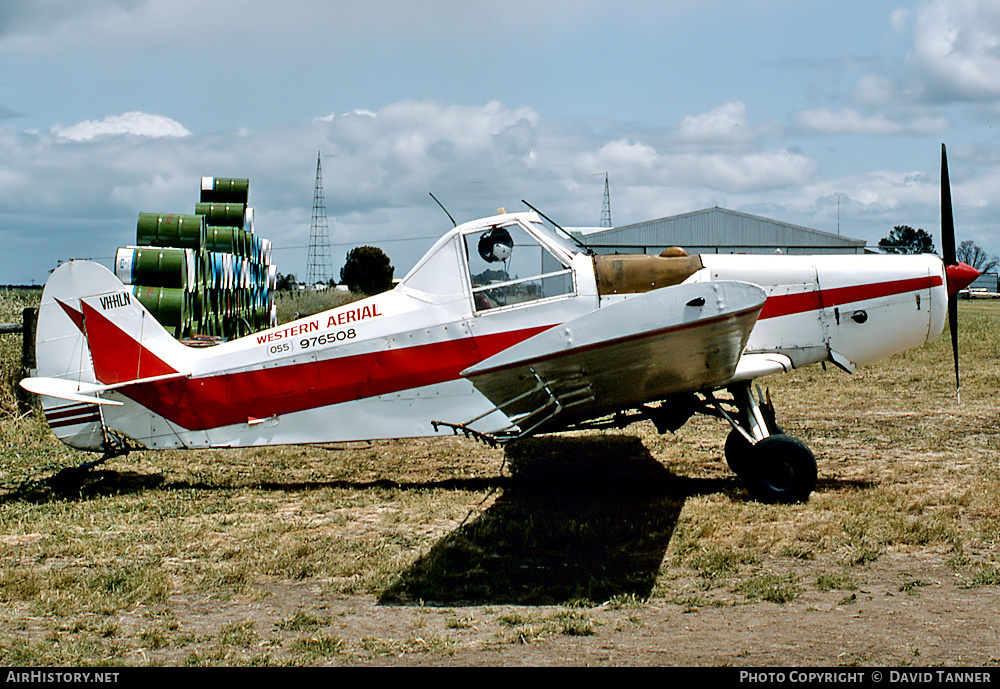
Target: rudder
{"x": 93, "y": 332}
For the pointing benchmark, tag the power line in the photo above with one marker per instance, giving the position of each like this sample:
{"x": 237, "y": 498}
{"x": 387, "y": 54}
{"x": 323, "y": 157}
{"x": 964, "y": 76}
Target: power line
{"x": 289, "y": 248}
{"x": 359, "y": 243}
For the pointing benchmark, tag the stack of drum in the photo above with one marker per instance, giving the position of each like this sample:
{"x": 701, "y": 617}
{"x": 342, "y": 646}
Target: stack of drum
{"x": 205, "y": 273}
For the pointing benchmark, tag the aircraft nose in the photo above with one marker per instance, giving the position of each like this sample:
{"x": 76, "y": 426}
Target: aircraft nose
{"x": 960, "y": 276}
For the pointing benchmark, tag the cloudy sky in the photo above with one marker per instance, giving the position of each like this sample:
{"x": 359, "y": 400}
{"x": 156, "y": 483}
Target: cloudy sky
{"x": 829, "y": 114}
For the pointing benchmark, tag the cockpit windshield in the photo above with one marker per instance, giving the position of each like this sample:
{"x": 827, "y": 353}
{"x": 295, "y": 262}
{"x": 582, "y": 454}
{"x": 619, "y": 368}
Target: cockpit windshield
{"x": 509, "y": 259}
{"x": 509, "y": 266}
{"x": 558, "y": 237}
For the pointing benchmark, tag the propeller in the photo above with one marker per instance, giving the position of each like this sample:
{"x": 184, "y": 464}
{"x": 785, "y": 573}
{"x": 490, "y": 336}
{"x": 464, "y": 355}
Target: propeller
{"x": 959, "y": 275}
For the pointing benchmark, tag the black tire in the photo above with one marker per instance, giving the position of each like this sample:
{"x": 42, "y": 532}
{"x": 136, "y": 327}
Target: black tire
{"x": 781, "y": 470}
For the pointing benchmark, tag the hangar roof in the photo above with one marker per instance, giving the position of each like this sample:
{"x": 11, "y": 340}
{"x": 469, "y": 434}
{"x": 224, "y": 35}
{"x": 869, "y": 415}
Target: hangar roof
{"x": 715, "y": 228}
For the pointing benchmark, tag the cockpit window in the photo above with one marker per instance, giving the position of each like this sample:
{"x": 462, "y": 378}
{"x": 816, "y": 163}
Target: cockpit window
{"x": 508, "y": 266}
{"x": 559, "y": 238}
{"x": 440, "y": 272}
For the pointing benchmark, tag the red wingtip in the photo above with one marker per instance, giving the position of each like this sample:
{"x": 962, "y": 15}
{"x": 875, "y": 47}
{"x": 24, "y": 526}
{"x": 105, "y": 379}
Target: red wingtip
{"x": 960, "y": 276}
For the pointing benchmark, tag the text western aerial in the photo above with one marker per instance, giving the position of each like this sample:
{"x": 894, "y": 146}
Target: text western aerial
{"x": 344, "y": 317}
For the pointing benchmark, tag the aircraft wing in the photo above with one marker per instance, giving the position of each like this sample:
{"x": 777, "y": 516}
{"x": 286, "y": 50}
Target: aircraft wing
{"x": 641, "y": 349}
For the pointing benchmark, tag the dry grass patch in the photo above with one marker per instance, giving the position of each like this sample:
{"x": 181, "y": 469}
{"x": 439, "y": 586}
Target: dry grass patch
{"x": 140, "y": 560}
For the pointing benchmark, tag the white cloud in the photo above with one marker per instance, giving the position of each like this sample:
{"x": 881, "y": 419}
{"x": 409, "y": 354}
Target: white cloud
{"x": 59, "y": 201}
{"x": 621, "y": 154}
{"x": 875, "y": 90}
{"x": 356, "y": 112}
{"x": 850, "y": 121}
{"x": 952, "y": 56}
{"x": 757, "y": 171}
{"x": 130, "y": 123}
{"x": 715, "y": 150}
{"x": 956, "y": 50}
{"x": 377, "y": 178}
{"x": 898, "y": 18}
{"x": 726, "y": 124}
{"x": 845, "y": 121}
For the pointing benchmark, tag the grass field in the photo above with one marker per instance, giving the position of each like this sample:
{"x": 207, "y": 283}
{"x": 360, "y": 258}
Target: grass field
{"x": 369, "y": 553}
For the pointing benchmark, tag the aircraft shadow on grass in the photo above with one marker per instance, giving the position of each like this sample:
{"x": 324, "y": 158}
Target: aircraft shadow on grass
{"x": 581, "y": 519}
{"x": 80, "y": 483}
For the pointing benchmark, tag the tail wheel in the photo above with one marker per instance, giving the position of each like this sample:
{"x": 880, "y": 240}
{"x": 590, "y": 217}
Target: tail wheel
{"x": 780, "y": 469}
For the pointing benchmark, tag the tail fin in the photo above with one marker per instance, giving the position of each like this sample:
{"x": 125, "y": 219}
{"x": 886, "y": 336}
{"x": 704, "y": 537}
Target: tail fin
{"x": 93, "y": 333}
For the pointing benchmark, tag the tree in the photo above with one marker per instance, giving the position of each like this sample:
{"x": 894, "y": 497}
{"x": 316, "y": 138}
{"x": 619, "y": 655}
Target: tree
{"x": 286, "y": 283}
{"x": 367, "y": 270}
{"x": 905, "y": 240}
{"x": 972, "y": 254}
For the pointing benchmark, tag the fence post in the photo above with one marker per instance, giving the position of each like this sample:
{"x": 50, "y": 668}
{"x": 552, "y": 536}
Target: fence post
{"x": 29, "y": 319}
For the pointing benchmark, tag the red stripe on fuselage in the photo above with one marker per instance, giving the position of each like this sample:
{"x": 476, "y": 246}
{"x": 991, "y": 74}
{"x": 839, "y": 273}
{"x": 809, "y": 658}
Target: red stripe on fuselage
{"x": 233, "y": 398}
{"x": 75, "y": 421}
{"x": 800, "y": 302}
{"x": 72, "y": 415}
{"x": 228, "y": 399}
{"x": 67, "y": 412}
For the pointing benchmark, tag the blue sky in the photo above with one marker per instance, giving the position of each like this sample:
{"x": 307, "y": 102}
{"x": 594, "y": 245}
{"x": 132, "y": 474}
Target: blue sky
{"x": 820, "y": 114}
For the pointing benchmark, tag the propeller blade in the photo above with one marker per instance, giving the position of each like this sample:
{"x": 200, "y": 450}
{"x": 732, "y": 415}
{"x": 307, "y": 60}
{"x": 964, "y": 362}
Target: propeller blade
{"x": 950, "y": 261}
{"x": 947, "y": 218}
{"x": 953, "y": 326}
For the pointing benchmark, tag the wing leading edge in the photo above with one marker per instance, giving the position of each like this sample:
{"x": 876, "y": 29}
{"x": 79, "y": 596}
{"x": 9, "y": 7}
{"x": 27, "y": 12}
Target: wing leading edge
{"x": 642, "y": 349}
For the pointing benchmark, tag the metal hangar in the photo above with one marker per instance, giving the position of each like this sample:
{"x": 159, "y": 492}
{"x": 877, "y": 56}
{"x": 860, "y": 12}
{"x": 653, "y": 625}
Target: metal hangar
{"x": 720, "y": 231}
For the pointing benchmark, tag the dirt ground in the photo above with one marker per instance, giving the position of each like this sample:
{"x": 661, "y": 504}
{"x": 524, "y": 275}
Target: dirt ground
{"x": 937, "y": 623}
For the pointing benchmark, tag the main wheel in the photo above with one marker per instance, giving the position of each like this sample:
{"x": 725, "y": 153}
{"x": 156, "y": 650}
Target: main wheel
{"x": 780, "y": 469}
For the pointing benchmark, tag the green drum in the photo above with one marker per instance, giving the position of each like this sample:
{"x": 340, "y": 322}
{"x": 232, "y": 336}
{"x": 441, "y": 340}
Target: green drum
{"x": 225, "y": 190}
{"x": 169, "y": 306}
{"x": 157, "y": 267}
{"x": 223, "y": 240}
{"x": 225, "y": 214}
{"x": 176, "y": 230}
{"x": 206, "y": 271}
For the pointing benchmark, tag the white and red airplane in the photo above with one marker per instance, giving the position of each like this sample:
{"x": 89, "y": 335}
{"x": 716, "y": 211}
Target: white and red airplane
{"x": 504, "y": 329}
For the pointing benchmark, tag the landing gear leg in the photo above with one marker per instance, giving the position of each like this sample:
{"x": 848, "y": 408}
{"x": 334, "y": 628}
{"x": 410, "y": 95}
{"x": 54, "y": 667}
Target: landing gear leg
{"x": 753, "y": 422}
{"x": 774, "y": 467}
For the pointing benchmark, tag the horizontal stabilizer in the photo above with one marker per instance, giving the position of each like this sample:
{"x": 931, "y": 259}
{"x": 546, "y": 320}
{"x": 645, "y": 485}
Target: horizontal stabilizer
{"x": 63, "y": 389}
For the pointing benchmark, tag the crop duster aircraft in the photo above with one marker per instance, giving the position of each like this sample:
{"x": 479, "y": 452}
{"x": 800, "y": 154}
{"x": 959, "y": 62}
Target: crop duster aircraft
{"x": 504, "y": 329}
